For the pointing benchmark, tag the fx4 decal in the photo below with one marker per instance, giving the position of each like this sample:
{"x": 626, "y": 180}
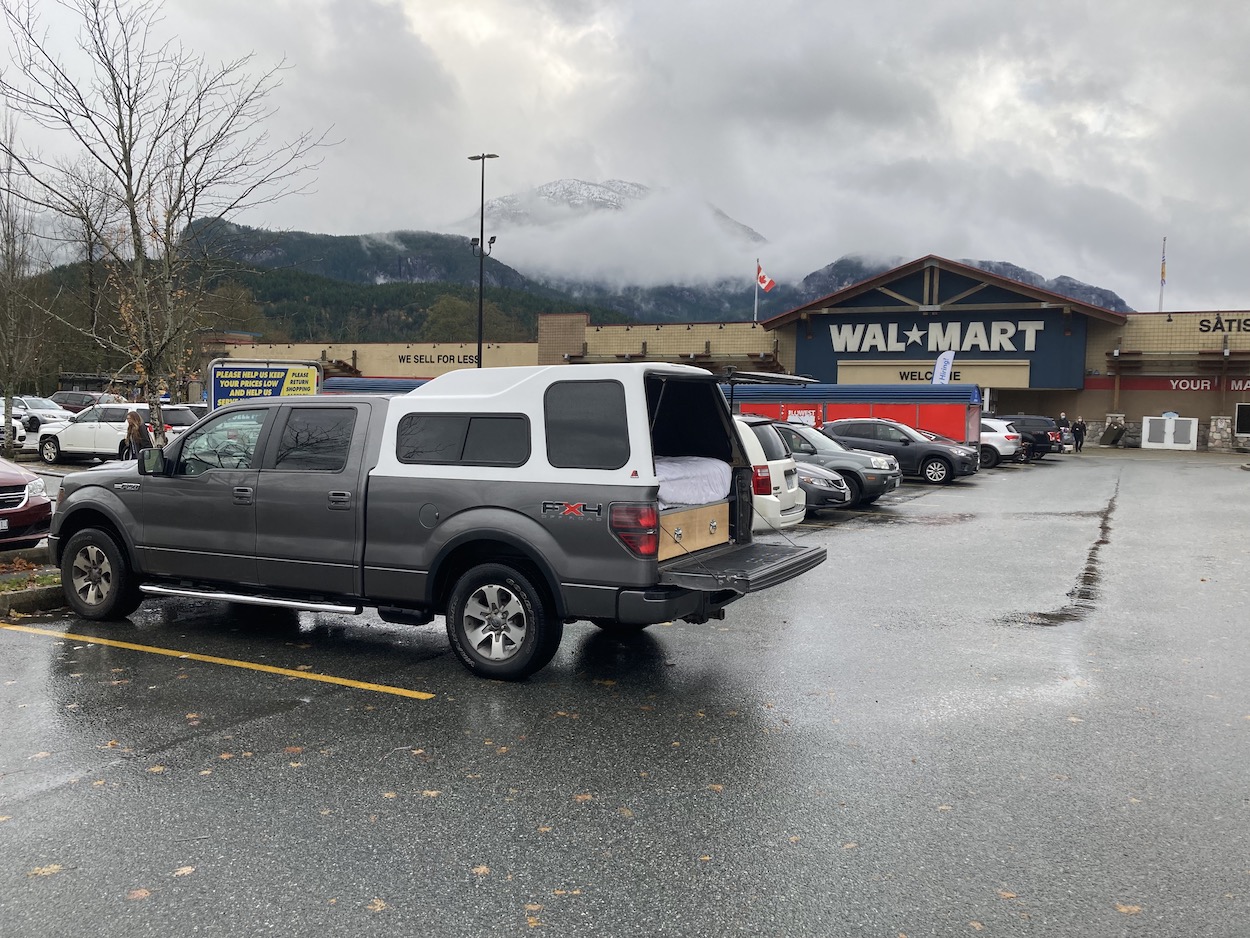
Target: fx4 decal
{"x": 572, "y": 510}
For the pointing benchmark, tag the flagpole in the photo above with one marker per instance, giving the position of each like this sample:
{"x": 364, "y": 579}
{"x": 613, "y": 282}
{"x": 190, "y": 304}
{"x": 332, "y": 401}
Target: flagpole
{"x": 1163, "y": 272}
{"x": 755, "y": 317}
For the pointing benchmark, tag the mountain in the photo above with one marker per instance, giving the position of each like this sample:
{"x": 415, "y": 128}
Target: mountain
{"x": 618, "y": 250}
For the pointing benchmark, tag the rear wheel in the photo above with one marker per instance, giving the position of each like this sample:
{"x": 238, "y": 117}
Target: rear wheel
{"x": 499, "y": 623}
{"x": 96, "y": 578}
{"x": 937, "y": 471}
{"x": 989, "y": 457}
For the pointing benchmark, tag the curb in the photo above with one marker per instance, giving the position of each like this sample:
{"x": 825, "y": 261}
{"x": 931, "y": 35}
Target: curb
{"x": 39, "y": 599}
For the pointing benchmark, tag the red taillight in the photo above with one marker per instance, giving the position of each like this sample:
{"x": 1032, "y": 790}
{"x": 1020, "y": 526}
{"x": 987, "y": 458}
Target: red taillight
{"x": 637, "y": 526}
{"x": 761, "y": 481}
{"x": 1055, "y": 435}
{"x": 1011, "y": 436}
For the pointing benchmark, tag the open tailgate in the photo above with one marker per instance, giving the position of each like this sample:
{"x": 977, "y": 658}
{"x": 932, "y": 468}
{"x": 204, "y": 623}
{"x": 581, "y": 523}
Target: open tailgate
{"x": 743, "y": 568}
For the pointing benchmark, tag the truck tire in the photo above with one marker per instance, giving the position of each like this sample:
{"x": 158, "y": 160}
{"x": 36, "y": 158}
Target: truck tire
{"x": 96, "y": 578}
{"x": 500, "y": 625}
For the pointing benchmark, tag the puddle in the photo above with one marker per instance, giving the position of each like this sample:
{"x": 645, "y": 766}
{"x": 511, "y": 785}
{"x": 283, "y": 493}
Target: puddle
{"x": 943, "y": 519}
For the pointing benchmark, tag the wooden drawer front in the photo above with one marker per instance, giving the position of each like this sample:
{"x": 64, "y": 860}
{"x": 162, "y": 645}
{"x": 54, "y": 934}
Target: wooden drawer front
{"x": 686, "y": 530}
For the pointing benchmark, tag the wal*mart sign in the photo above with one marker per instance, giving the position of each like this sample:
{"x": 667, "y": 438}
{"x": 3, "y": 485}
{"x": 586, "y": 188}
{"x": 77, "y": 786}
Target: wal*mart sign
{"x": 242, "y": 380}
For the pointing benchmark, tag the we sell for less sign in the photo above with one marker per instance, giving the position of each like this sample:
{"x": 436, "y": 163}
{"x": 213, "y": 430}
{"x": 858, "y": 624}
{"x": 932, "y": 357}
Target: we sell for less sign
{"x": 232, "y": 381}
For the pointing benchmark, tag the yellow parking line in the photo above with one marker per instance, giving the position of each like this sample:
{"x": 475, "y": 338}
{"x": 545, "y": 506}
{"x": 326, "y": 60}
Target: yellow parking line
{"x": 230, "y": 662}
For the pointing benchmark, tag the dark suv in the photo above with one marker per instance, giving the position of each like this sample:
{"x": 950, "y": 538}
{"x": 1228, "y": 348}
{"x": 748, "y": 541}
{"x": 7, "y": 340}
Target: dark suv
{"x": 867, "y": 475}
{"x": 917, "y": 455}
{"x": 1041, "y": 434}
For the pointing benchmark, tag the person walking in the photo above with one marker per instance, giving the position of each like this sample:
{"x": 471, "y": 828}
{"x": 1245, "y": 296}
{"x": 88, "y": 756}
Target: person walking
{"x": 137, "y": 436}
{"x": 1079, "y": 430}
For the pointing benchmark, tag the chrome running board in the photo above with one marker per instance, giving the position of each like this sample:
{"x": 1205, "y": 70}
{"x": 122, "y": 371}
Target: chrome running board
{"x": 152, "y": 589}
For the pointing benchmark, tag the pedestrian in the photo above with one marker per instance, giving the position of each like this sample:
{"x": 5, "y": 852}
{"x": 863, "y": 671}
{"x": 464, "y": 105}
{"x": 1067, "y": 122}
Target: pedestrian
{"x": 137, "y": 436}
{"x": 1063, "y": 421}
{"x": 1079, "y": 429}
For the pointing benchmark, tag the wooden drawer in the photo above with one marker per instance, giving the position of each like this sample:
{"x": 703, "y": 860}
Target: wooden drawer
{"x": 686, "y": 530}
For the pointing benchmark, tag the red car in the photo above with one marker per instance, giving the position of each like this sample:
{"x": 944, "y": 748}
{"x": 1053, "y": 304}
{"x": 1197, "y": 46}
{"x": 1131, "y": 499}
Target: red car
{"x": 25, "y": 509}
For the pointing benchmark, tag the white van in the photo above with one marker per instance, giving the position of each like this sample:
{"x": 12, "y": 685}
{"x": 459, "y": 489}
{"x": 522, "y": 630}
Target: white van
{"x": 779, "y": 500}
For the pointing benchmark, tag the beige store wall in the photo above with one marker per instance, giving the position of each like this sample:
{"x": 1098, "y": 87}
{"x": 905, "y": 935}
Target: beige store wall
{"x": 396, "y": 359}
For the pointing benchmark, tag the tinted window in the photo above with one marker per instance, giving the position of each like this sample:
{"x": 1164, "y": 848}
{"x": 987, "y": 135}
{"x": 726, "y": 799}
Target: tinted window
{"x": 177, "y": 418}
{"x": 774, "y": 446}
{"x": 90, "y": 415}
{"x": 495, "y": 440}
{"x": 316, "y": 438}
{"x": 586, "y": 425}
{"x": 114, "y": 414}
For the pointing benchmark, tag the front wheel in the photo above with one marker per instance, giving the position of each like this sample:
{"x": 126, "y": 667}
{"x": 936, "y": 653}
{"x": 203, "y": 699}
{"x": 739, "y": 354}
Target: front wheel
{"x": 989, "y": 457}
{"x": 937, "y": 471}
{"x": 499, "y": 623}
{"x": 856, "y": 490}
{"x": 49, "y": 450}
{"x": 96, "y": 579}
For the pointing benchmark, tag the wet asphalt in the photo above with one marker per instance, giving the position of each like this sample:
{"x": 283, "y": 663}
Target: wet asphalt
{"x": 1013, "y": 705}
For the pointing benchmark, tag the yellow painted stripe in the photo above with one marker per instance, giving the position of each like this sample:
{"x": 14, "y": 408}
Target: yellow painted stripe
{"x": 229, "y": 662}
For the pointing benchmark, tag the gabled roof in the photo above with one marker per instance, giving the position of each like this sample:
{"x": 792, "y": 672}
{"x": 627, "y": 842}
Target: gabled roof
{"x": 917, "y": 287}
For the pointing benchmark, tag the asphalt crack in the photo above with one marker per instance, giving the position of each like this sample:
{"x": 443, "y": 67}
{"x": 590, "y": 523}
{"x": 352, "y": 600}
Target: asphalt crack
{"x": 1084, "y": 595}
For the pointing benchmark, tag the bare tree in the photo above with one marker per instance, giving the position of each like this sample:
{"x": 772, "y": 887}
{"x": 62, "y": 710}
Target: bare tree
{"x": 21, "y": 321}
{"x": 158, "y": 147}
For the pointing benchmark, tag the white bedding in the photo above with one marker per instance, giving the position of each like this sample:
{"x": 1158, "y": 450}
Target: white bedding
{"x": 691, "y": 480}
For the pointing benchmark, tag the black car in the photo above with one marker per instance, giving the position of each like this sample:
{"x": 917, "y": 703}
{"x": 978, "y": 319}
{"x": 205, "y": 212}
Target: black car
{"x": 1041, "y": 434}
{"x": 868, "y": 475}
{"x": 917, "y": 455}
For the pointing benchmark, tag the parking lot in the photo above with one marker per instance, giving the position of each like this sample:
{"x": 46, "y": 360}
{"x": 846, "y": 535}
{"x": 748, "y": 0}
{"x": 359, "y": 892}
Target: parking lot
{"x": 1016, "y": 704}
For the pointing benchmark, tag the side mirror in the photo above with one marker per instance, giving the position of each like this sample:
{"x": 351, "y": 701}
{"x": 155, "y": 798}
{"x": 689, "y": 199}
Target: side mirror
{"x": 151, "y": 462}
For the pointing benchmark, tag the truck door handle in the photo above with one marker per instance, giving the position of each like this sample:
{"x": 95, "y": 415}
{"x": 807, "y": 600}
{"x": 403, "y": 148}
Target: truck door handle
{"x": 242, "y": 494}
{"x": 340, "y": 501}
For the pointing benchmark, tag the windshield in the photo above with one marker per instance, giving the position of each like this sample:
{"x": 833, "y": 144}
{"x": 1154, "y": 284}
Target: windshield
{"x": 822, "y": 443}
{"x": 41, "y": 403}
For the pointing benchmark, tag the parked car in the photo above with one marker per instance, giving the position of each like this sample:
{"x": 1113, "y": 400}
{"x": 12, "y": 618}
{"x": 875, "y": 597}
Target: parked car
{"x": 823, "y": 488}
{"x": 779, "y": 500}
{"x": 1041, "y": 434}
{"x": 1000, "y": 441}
{"x": 35, "y": 411}
{"x": 75, "y": 401}
{"x": 868, "y": 476}
{"x": 100, "y": 431}
{"x": 15, "y": 432}
{"x": 25, "y": 509}
{"x": 917, "y": 455}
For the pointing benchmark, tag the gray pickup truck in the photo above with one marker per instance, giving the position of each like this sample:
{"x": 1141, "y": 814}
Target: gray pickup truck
{"x": 508, "y": 500}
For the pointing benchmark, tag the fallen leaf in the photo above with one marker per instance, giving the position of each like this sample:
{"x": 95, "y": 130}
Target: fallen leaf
{"x": 46, "y": 870}
{"x": 581, "y": 799}
{"x": 533, "y": 922}
{"x": 533, "y": 907}
{"x": 850, "y": 845}
{"x": 481, "y": 870}
{"x": 1075, "y": 719}
{"x": 41, "y": 755}
{"x": 226, "y": 755}
{"x": 705, "y": 858}
{"x": 295, "y": 765}
{"x": 501, "y": 750}
{"x": 293, "y": 750}
{"x": 944, "y": 807}
{"x": 795, "y": 839}
{"x": 976, "y": 926}
{"x": 112, "y": 744}
{"x": 1006, "y": 894}
{"x": 544, "y": 830}
{"x": 388, "y": 794}
{"x": 206, "y": 771}
{"x": 431, "y": 793}
{"x": 625, "y": 812}
{"x": 5, "y": 817}
{"x": 193, "y": 716}
{"x": 184, "y": 871}
{"x": 156, "y": 769}
{"x": 137, "y": 894}
{"x": 1128, "y": 909}
{"x": 716, "y": 787}
{"x": 377, "y": 905}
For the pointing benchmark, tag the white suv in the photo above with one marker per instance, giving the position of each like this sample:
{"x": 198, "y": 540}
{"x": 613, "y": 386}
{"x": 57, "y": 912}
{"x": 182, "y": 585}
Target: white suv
{"x": 999, "y": 440}
{"x": 100, "y": 431}
{"x": 778, "y": 500}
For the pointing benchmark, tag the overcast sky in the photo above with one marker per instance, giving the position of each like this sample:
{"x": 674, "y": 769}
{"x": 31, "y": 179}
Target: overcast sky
{"x": 1068, "y": 137}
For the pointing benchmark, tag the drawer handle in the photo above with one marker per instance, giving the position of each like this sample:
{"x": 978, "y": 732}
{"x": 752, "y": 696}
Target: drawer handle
{"x": 711, "y": 526}
{"x": 677, "y": 534}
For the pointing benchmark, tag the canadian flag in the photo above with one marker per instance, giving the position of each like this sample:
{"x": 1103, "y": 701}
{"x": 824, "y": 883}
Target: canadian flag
{"x": 766, "y": 282}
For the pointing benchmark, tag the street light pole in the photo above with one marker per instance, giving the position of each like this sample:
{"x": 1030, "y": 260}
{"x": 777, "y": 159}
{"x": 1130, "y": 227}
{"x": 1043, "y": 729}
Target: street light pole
{"x": 481, "y": 247}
